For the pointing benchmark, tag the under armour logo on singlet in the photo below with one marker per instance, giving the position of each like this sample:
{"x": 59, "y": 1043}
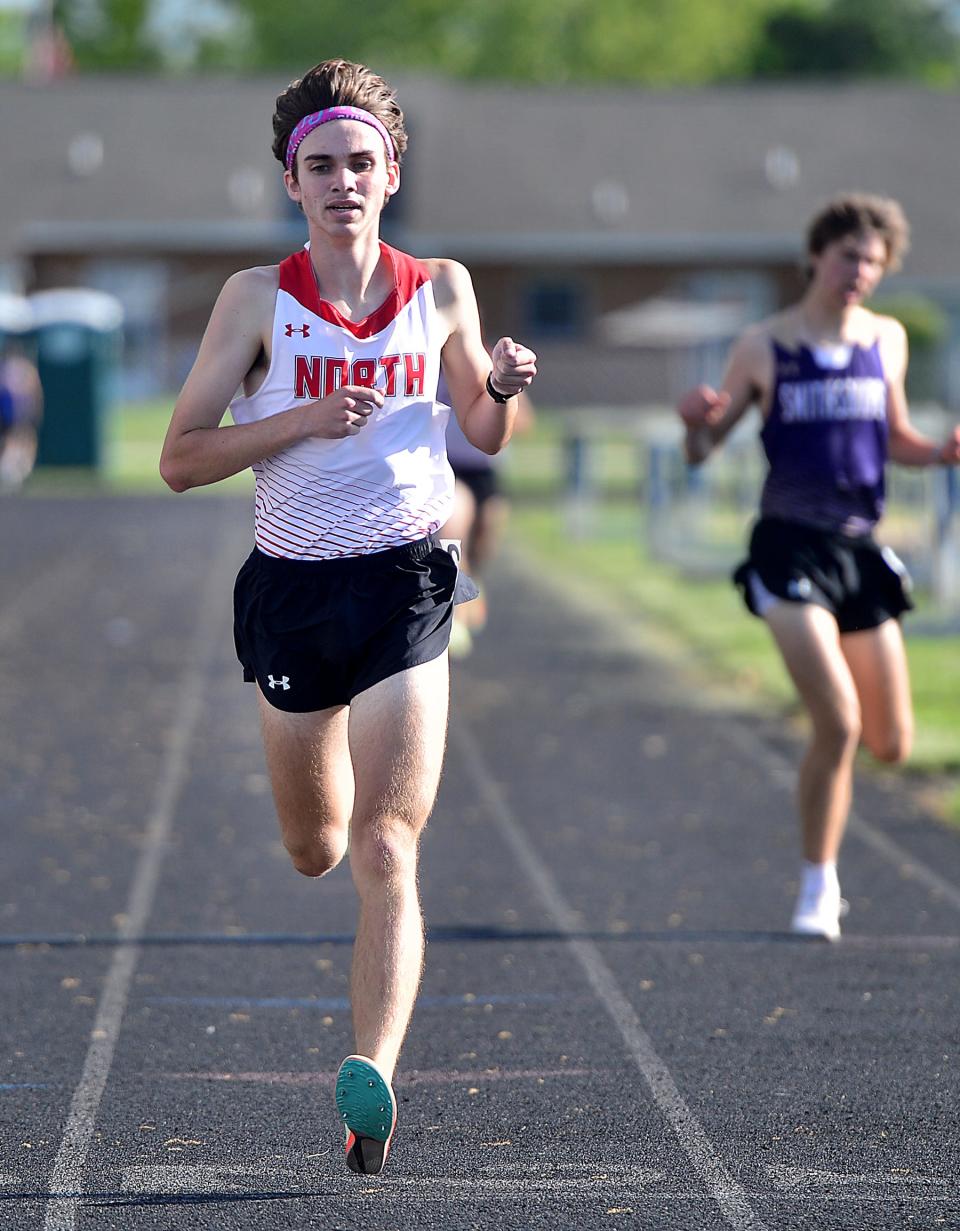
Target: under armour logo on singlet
{"x": 303, "y": 330}
{"x": 283, "y": 682}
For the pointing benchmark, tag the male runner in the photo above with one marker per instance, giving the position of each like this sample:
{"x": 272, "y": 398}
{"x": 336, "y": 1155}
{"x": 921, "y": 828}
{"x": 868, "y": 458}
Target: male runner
{"x": 828, "y": 376}
{"x": 343, "y": 609}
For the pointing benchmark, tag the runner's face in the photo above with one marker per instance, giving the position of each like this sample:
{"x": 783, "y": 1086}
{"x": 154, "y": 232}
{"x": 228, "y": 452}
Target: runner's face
{"x": 344, "y": 177}
{"x": 849, "y": 268}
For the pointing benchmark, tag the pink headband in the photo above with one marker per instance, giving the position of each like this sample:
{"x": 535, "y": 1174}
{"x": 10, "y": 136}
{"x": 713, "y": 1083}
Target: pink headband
{"x": 316, "y": 118}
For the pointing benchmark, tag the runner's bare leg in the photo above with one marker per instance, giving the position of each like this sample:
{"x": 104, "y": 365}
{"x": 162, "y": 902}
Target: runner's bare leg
{"x": 397, "y": 737}
{"x": 878, "y": 661}
{"x": 308, "y": 759}
{"x": 809, "y": 640}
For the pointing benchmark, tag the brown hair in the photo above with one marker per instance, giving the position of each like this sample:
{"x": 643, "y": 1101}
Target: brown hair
{"x": 336, "y": 83}
{"x": 854, "y": 213}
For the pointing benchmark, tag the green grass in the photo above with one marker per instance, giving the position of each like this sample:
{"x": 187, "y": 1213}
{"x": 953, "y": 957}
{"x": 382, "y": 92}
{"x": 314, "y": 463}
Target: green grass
{"x": 134, "y": 436}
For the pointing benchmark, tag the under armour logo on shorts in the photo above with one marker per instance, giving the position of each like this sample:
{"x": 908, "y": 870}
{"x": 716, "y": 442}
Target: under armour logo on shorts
{"x": 283, "y": 682}
{"x": 303, "y": 330}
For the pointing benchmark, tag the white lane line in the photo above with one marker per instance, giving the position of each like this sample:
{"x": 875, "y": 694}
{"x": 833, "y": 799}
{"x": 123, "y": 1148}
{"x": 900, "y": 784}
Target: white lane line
{"x": 792, "y": 1179}
{"x": 784, "y": 775}
{"x": 67, "y": 1176}
{"x": 518, "y": 1181}
{"x": 720, "y": 1184}
{"x": 621, "y": 1183}
{"x": 202, "y": 1178}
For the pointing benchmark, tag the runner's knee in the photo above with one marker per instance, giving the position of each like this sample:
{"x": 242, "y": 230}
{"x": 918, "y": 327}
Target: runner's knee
{"x": 317, "y": 855}
{"x": 384, "y": 851}
{"x": 892, "y": 746}
{"x": 839, "y": 731}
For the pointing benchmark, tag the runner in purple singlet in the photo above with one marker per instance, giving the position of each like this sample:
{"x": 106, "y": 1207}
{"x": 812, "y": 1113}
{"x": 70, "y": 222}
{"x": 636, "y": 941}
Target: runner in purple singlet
{"x": 828, "y": 376}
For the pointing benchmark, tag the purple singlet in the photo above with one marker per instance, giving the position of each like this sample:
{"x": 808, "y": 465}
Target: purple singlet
{"x": 826, "y": 438}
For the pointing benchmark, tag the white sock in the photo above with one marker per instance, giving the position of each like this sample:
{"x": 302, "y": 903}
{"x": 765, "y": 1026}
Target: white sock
{"x": 819, "y": 878}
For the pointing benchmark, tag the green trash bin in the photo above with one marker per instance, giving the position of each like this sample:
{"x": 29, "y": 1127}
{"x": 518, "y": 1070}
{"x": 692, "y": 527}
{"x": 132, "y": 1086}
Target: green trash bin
{"x": 78, "y": 337}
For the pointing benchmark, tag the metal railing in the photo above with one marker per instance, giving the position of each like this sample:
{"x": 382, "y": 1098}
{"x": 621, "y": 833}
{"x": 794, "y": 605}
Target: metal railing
{"x": 698, "y": 518}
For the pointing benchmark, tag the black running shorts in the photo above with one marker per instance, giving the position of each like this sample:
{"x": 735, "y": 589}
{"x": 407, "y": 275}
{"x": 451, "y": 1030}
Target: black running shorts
{"x": 860, "y": 582}
{"x": 315, "y": 633}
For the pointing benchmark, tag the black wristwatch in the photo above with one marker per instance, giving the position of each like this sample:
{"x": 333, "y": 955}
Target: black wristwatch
{"x": 499, "y": 398}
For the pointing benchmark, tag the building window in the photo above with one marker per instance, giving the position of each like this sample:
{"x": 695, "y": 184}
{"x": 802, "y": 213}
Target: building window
{"x": 553, "y": 310}
{"x": 755, "y": 290}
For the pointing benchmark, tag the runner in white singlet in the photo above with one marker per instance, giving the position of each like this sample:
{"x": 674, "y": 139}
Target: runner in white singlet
{"x": 343, "y": 609}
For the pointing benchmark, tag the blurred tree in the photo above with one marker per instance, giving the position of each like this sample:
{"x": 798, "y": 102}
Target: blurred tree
{"x": 915, "y": 39}
{"x": 536, "y": 41}
{"x": 926, "y": 322}
{"x": 108, "y": 34}
{"x": 542, "y": 42}
{"x": 928, "y": 334}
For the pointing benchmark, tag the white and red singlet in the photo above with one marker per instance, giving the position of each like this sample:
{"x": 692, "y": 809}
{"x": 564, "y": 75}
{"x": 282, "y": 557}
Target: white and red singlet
{"x": 391, "y": 483}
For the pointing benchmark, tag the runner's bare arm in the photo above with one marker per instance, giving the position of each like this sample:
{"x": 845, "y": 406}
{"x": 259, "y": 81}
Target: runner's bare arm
{"x": 907, "y": 445}
{"x": 709, "y": 415}
{"x": 199, "y": 450}
{"x": 486, "y": 424}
